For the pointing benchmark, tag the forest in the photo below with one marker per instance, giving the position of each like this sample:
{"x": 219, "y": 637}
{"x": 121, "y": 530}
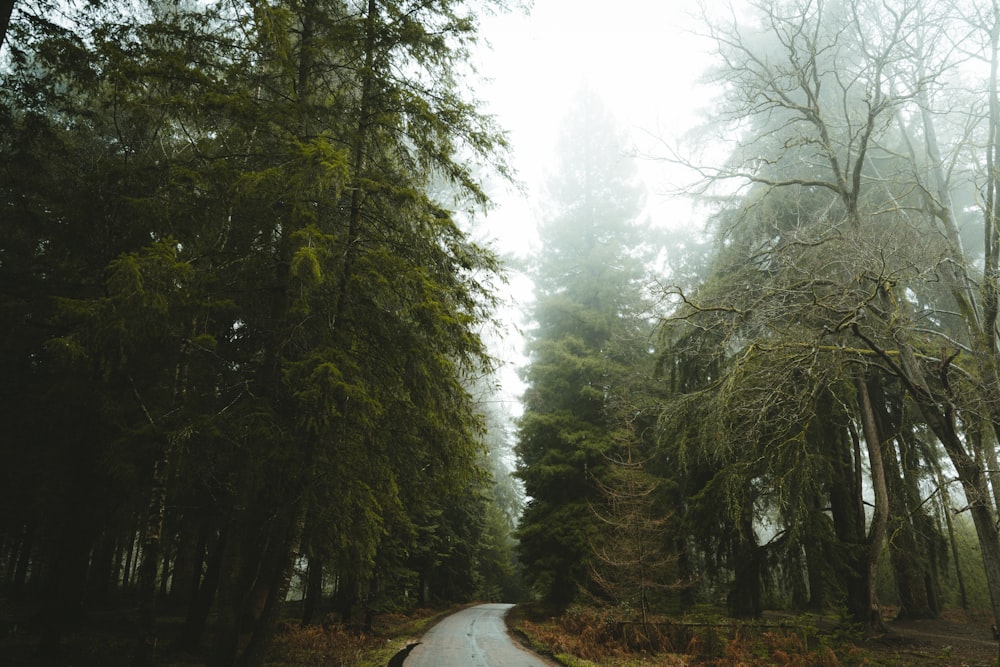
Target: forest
{"x": 245, "y": 325}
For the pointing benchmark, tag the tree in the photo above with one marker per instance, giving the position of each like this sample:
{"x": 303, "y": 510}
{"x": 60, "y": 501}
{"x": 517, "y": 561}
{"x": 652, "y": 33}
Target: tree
{"x": 759, "y": 452}
{"x": 213, "y": 292}
{"x": 588, "y": 300}
{"x": 820, "y": 89}
{"x": 633, "y": 559}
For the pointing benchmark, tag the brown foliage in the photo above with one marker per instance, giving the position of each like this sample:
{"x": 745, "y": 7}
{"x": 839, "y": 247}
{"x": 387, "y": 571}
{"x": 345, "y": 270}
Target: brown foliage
{"x": 600, "y": 636}
{"x": 320, "y": 645}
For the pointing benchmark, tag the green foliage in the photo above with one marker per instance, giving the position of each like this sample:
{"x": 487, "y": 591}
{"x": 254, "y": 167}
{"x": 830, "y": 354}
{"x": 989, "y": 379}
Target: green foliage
{"x": 588, "y": 338}
{"x": 224, "y": 246}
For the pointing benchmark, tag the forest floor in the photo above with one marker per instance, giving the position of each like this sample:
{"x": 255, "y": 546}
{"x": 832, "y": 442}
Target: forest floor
{"x": 957, "y": 639}
{"x": 107, "y": 639}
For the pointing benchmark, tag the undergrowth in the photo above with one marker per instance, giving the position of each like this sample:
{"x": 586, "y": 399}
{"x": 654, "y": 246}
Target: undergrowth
{"x": 588, "y": 637}
{"x": 108, "y": 640}
{"x": 334, "y": 645}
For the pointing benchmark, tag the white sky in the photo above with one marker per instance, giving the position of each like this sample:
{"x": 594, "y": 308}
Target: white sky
{"x": 638, "y": 54}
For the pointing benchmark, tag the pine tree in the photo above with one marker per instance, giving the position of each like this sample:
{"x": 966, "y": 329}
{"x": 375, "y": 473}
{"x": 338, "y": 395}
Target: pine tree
{"x": 229, "y": 266}
{"x": 634, "y": 560}
{"x": 587, "y": 313}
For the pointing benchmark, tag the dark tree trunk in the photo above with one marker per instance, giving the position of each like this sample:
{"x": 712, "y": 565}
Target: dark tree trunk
{"x": 65, "y": 582}
{"x": 744, "y": 600}
{"x": 237, "y": 577}
{"x": 166, "y": 574}
{"x": 22, "y": 559}
{"x": 849, "y": 524}
{"x": 842, "y": 494}
{"x": 909, "y": 569}
{"x": 818, "y": 564}
{"x": 422, "y": 586}
{"x": 314, "y": 590}
{"x": 187, "y": 562}
{"x": 203, "y": 596}
{"x": 251, "y": 598}
{"x": 847, "y": 506}
{"x": 102, "y": 568}
{"x": 279, "y": 578}
{"x": 152, "y": 554}
{"x": 346, "y": 598}
{"x": 907, "y": 553}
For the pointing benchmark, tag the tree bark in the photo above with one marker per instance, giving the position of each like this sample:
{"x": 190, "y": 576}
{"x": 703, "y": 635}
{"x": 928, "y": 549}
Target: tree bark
{"x": 952, "y": 538}
{"x": 847, "y": 506}
{"x": 941, "y": 420}
{"x": 279, "y": 580}
{"x": 64, "y": 583}
{"x": 314, "y": 590}
{"x": 237, "y": 577}
{"x": 102, "y": 572}
{"x": 744, "y": 600}
{"x": 907, "y": 554}
{"x": 190, "y": 550}
{"x": 204, "y": 595}
{"x": 151, "y": 557}
{"x": 872, "y": 620}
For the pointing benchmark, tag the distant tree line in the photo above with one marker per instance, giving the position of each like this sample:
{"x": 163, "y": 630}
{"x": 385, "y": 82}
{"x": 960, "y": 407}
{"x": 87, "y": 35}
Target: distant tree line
{"x": 803, "y": 410}
{"x": 239, "y": 316}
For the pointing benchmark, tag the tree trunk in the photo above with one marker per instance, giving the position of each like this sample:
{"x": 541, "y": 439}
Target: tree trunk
{"x": 872, "y": 622}
{"x": 151, "y": 557}
{"x": 952, "y": 538}
{"x": 847, "y": 505}
{"x": 832, "y": 434}
{"x": 102, "y": 568}
{"x": 314, "y": 590}
{"x": 285, "y": 553}
{"x": 204, "y": 595}
{"x": 22, "y": 556}
{"x": 239, "y": 562}
{"x": 906, "y": 554}
{"x": 941, "y": 420}
{"x": 744, "y": 600}
{"x": 64, "y": 587}
{"x": 190, "y": 550}
{"x": 347, "y": 597}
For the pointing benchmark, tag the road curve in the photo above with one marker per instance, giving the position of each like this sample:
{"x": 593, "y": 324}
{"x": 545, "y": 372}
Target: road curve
{"x": 473, "y": 637}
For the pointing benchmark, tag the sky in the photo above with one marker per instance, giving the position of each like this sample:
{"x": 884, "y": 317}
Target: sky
{"x": 644, "y": 60}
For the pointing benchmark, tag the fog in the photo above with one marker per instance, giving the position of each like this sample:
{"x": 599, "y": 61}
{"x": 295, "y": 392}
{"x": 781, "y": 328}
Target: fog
{"x": 645, "y": 63}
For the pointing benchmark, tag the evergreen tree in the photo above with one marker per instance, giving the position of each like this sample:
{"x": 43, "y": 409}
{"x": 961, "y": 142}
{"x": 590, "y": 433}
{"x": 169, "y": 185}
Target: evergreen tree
{"x": 228, "y": 264}
{"x": 587, "y": 317}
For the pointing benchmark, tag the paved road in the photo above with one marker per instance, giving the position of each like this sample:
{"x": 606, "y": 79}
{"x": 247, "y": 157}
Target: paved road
{"x": 474, "y": 637}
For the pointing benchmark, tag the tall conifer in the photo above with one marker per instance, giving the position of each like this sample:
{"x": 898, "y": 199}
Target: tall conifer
{"x": 587, "y": 311}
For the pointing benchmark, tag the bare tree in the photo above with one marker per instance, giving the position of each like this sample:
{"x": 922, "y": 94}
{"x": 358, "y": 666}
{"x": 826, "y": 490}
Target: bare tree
{"x": 845, "y": 98}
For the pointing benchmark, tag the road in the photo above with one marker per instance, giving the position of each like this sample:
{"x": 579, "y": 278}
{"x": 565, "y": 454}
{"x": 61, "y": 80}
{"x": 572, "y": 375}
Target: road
{"x": 473, "y": 637}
